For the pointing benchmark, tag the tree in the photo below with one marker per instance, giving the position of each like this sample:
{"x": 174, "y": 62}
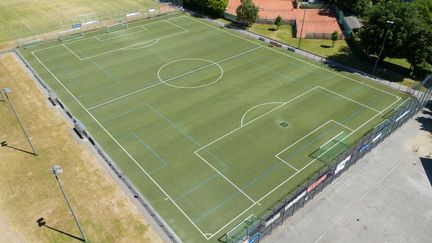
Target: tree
{"x": 247, "y": 12}
{"x": 334, "y": 37}
{"x": 357, "y": 7}
{"x": 409, "y": 37}
{"x": 278, "y": 21}
{"x": 216, "y": 7}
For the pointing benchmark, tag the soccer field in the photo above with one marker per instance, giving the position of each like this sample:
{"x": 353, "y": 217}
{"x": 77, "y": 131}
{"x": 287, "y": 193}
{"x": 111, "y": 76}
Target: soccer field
{"x": 210, "y": 126}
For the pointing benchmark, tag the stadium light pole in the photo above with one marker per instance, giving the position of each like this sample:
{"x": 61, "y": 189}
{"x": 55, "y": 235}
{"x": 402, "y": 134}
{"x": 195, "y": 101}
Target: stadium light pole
{"x": 389, "y": 23}
{"x": 6, "y": 91}
{"x": 301, "y": 31}
{"x": 56, "y": 170}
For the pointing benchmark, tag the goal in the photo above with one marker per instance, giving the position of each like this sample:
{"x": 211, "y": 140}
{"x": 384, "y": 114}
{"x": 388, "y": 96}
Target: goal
{"x": 118, "y": 26}
{"x": 71, "y": 34}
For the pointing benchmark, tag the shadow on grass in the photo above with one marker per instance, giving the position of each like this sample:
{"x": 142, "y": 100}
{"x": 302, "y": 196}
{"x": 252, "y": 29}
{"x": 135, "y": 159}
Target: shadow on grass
{"x": 272, "y": 29}
{"x": 385, "y": 70}
{"x": 325, "y": 46}
{"x": 41, "y": 223}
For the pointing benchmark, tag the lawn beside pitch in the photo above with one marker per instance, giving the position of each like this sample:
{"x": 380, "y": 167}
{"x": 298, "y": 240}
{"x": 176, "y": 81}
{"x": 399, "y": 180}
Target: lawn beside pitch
{"x": 210, "y": 126}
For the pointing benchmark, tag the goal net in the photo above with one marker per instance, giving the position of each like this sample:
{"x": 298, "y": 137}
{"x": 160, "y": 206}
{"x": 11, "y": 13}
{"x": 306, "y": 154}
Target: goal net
{"x": 331, "y": 149}
{"x": 116, "y": 27}
{"x": 242, "y": 231}
{"x": 71, "y": 34}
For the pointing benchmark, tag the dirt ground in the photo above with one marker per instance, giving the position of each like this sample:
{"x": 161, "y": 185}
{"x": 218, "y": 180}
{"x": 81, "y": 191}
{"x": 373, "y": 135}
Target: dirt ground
{"x": 29, "y": 191}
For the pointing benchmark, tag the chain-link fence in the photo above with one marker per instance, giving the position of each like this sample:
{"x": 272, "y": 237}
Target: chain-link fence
{"x": 92, "y": 22}
{"x": 343, "y": 161}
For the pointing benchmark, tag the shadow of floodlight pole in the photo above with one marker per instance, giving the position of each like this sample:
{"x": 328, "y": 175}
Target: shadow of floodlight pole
{"x": 56, "y": 170}
{"x": 6, "y": 91}
{"x": 41, "y": 223}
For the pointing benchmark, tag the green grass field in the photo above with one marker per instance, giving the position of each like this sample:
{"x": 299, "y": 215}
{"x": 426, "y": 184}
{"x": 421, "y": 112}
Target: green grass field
{"x": 210, "y": 126}
{"x": 30, "y": 17}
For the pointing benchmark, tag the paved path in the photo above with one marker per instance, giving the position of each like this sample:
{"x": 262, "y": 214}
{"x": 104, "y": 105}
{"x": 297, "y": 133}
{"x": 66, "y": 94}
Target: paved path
{"x": 386, "y": 197}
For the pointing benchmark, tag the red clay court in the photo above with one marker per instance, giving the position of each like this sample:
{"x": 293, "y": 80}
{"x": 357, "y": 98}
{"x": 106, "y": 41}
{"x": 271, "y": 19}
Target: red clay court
{"x": 269, "y": 9}
{"x": 318, "y": 24}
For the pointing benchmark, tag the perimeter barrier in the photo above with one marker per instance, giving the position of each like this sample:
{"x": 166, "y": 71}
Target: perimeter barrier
{"x": 94, "y": 22}
{"x": 343, "y": 161}
{"x": 104, "y": 156}
{"x": 347, "y": 31}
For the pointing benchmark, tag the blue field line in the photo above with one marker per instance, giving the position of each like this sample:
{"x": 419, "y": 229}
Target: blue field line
{"x": 217, "y": 207}
{"x": 285, "y": 76}
{"x": 195, "y": 187}
{"x": 106, "y": 72}
{"x": 70, "y": 74}
{"x": 279, "y": 164}
{"x": 187, "y": 135}
{"x": 122, "y": 114}
{"x": 164, "y": 163}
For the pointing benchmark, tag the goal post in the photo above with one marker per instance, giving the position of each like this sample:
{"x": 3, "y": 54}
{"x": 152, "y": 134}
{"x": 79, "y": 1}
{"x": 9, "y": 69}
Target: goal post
{"x": 71, "y": 34}
{"x": 331, "y": 149}
{"x": 242, "y": 231}
{"x": 117, "y": 26}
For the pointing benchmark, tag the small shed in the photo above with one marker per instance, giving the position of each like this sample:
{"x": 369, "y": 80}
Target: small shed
{"x": 353, "y": 22}
{"x": 80, "y": 129}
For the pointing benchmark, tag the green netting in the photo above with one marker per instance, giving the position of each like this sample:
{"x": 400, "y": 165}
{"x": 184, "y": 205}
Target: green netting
{"x": 117, "y": 27}
{"x": 30, "y": 44}
{"x": 242, "y": 230}
{"x": 331, "y": 149}
{"x": 71, "y": 35}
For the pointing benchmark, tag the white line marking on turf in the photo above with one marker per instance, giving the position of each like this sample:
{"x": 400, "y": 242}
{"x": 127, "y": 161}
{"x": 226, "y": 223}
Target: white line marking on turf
{"x": 292, "y": 57}
{"x": 181, "y": 75}
{"x": 268, "y": 103}
{"x": 121, "y": 146}
{"x": 232, "y": 183}
{"x": 141, "y": 47}
{"x": 192, "y": 71}
{"x": 119, "y": 36}
{"x": 342, "y": 125}
{"x": 343, "y": 96}
{"x": 249, "y": 122}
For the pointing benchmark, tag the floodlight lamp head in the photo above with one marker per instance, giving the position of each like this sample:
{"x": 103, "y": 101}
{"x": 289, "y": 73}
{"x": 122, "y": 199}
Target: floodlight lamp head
{"x": 57, "y": 169}
{"x": 7, "y": 90}
{"x": 389, "y": 22}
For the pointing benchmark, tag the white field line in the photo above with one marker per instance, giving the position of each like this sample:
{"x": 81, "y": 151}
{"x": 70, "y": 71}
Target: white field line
{"x": 125, "y": 47}
{"x": 268, "y": 103}
{"x": 403, "y": 102}
{"x": 119, "y": 36}
{"x": 298, "y": 59}
{"x": 281, "y": 184}
{"x": 122, "y": 148}
{"x": 181, "y": 75}
{"x": 232, "y": 183}
{"x": 366, "y": 106}
{"x": 140, "y": 47}
{"x": 285, "y": 162}
{"x": 331, "y": 139}
{"x": 240, "y": 223}
{"x": 305, "y": 136}
{"x": 249, "y": 122}
{"x": 87, "y": 38}
{"x": 358, "y": 128}
{"x": 123, "y": 96}
{"x": 342, "y": 125}
{"x": 176, "y": 25}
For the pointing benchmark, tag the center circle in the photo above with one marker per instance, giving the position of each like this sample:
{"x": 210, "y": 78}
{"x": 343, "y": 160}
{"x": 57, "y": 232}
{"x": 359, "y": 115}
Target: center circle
{"x": 183, "y": 73}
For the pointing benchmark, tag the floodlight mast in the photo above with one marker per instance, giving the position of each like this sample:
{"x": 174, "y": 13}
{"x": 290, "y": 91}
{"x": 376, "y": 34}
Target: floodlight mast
{"x": 389, "y": 23}
{"x": 6, "y": 91}
{"x": 57, "y": 170}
